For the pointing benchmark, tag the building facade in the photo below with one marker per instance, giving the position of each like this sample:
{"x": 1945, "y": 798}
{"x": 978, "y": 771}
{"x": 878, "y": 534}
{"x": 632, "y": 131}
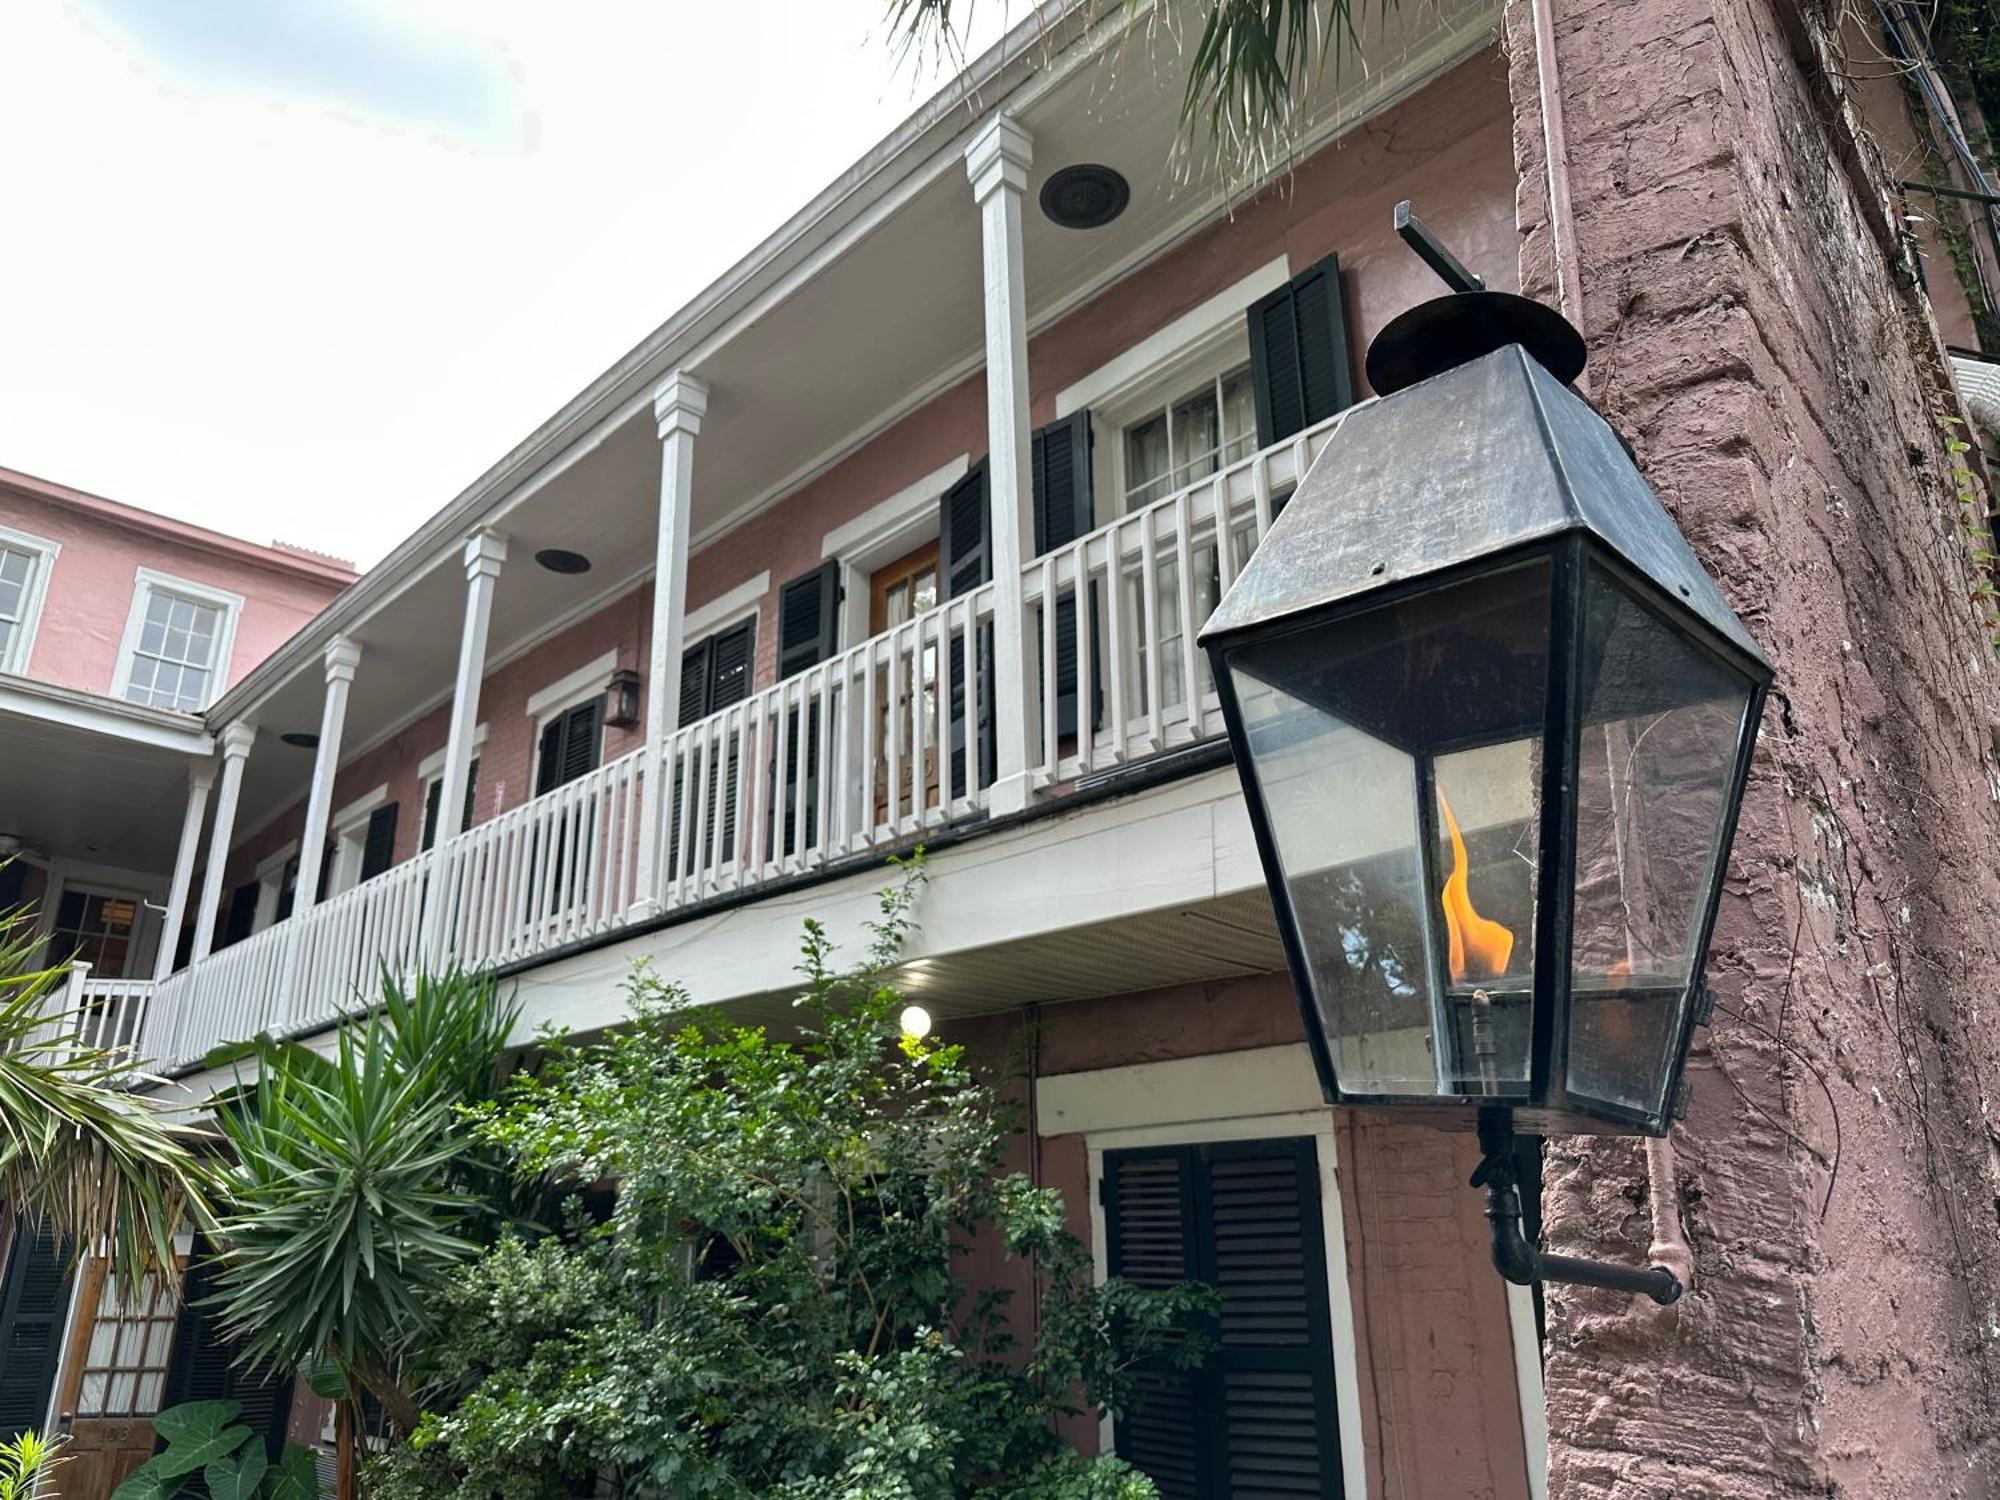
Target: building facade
{"x": 900, "y": 534}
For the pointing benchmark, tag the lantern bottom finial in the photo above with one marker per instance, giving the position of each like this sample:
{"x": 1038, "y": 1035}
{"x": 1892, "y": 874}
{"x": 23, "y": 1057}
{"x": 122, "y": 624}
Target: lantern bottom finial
{"x": 1524, "y": 1264}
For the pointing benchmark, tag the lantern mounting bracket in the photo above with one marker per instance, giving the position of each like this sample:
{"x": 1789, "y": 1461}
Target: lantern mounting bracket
{"x": 1525, "y": 1264}
{"x": 1432, "y": 252}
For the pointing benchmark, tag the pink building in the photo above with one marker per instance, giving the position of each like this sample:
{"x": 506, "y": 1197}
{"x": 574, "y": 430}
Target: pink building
{"x": 901, "y": 532}
{"x": 118, "y": 629}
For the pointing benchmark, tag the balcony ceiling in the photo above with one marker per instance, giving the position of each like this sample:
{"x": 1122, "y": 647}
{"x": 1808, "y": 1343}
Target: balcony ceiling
{"x": 887, "y": 310}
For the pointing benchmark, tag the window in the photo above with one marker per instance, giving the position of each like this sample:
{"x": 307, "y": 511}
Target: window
{"x": 24, "y": 576}
{"x": 364, "y": 840}
{"x": 177, "y": 643}
{"x": 124, "y": 1366}
{"x": 96, "y": 928}
{"x": 1190, "y": 437}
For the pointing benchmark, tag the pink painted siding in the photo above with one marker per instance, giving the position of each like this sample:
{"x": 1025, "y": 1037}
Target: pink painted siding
{"x": 1440, "y": 1416}
{"x": 92, "y": 586}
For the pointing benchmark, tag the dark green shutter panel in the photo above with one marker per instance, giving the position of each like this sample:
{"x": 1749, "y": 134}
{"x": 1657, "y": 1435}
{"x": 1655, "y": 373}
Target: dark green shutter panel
{"x": 1148, "y": 1213}
{"x": 1059, "y": 462}
{"x": 809, "y": 618}
{"x": 731, "y": 655}
{"x": 435, "y": 794}
{"x": 325, "y": 871}
{"x": 378, "y": 849}
{"x": 1299, "y": 364}
{"x": 694, "y": 683}
{"x": 205, "y": 1368}
{"x": 241, "y": 920}
{"x": 570, "y": 746}
{"x": 965, "y": 561}
{"x": 1243, "y": 1216}
{"x": 288, "y": 889}
{"x": 34, "y": 1299}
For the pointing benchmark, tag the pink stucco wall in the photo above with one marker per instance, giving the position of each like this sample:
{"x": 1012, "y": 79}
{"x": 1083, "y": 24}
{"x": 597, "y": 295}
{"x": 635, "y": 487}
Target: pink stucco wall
{"x": 92, "y": 586}
{"x": 1440, "y": 1416}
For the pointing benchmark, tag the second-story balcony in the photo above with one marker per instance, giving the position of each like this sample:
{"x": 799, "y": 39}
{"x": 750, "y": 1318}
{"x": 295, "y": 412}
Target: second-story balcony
{"x": 872, "y": 751}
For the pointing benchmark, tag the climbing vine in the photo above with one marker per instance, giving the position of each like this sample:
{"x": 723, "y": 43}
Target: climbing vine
{"x": 1974, "y": 527}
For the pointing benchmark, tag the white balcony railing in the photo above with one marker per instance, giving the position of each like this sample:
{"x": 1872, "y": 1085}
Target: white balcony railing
{"x": 862, "y": 753}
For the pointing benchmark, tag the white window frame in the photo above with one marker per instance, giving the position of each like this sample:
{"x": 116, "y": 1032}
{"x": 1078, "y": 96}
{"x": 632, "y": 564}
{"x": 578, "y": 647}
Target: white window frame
{"x": 20, "y": 651}
{"x": 348, "y": 829}
{"x": 588, "y": 681}
{"x": 146, "y": 583}
{"x": 1205, "y": 342}
{"x": 430, "y": 771}
{"x": 888, "y": 530}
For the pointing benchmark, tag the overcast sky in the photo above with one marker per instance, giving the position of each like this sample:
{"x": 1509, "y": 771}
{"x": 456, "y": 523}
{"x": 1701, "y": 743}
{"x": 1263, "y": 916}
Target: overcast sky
{"x": 302, "y": 269}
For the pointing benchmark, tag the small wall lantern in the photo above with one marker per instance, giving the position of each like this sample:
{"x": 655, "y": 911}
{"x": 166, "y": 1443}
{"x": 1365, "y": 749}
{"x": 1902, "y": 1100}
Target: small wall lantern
{"x": 621, "y": 700}
{"x": 1493, "y": 723}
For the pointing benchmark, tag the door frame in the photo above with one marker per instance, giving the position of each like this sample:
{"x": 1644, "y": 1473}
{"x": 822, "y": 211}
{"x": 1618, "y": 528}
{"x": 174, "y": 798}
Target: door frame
{"x": 1320, "y": 1127}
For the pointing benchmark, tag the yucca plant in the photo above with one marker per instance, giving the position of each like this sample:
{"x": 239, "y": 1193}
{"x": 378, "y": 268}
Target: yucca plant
{"x": 25, "y": 1460}
{"x": 82, "y": 1154}
{"x": 354, "y": 1191}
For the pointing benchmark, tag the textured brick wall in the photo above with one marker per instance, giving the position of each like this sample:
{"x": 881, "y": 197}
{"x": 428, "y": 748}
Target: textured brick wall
{"x": 1754, "y": 340}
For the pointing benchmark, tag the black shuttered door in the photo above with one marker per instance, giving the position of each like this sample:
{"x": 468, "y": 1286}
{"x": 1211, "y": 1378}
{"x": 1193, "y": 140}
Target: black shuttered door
{"x": 34, "y": 1299}
{"x": 1060, "y": 467}
{"x": 1300, "y": 368}
{"x": 965, "y": 561}
{"x": 205, "y": 1368}
{"x": 1257, "y": 1421}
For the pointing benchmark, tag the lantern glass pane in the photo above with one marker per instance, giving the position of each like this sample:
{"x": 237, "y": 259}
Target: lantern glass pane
{"x": 1397, "y": 752}
{"x": 1661, "y": 723}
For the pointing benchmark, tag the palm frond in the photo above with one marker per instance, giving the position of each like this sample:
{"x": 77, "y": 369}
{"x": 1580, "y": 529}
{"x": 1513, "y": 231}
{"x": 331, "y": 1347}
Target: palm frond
{"x": 82, "y": 1154}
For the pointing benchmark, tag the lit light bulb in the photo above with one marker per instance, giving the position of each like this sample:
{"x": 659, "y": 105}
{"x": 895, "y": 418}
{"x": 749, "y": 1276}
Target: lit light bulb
{"x": 916, "y": 1022}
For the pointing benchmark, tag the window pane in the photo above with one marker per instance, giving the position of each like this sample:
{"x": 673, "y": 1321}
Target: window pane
{"x": 159, "y": 1343}
{"x": 6, "y": 638}
{"x": 118, "y": 1401}
{"x": 1399, "y": 759}
{"x": 1239, "y": 415}
{"x": 1147, "y": 459}
{"x": 1656, "y": 763}
{"x": 1195, "y": 438}
{"x": 151, "y": 1388}
{"x": 153, "y": 638}
{"x": 90, "y": 1399}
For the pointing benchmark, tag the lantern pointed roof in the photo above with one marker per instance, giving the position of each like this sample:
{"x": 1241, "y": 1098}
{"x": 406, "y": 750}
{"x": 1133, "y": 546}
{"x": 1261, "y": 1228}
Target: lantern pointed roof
{"x": 1488, "y": 456}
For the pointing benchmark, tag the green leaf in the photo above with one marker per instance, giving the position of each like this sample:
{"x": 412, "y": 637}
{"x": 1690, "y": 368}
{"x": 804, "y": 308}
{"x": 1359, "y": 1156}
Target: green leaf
{"x": 326, "y": 1379}
{"x": 237, "y": 1478}
{"x": 295, "y": 1476}
{"x": 198, "y": 1433}
{"x": 149, "y": 1481}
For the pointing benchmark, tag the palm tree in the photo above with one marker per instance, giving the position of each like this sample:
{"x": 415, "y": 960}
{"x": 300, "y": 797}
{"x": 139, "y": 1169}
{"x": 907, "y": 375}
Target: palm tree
{"x": 81, "y": 1153}
{"x": 1251, "y": 61}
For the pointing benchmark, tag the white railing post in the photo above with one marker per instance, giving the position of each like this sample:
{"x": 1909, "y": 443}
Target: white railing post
{"x": 201, "y": 776}
{"x": 236, "y": 742}
{"x": 679, "y": 404}
{"x": 997, "y": 161}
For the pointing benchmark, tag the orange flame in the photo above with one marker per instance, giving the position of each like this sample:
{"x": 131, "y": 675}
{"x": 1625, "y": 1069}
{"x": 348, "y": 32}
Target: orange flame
{"x": 1476, "y": 942}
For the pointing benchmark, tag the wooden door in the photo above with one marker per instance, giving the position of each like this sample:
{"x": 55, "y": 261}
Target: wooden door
{"x": 114, "y": 1380}
{"x": 898, "y": 592}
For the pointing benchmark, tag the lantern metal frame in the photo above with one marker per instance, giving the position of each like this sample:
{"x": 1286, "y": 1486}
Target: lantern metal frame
{"x": 1548, "y": 1106}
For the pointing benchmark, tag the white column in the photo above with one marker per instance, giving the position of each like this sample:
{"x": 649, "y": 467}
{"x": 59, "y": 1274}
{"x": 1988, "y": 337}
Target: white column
{"x": 997, "y": 162}
{"x": 485, "y": 551}
{"x": 341, "y": 657}
{"x": 201, "y": 776}
{"x": 236, "y": 742}
{"x": 678, "y": 407}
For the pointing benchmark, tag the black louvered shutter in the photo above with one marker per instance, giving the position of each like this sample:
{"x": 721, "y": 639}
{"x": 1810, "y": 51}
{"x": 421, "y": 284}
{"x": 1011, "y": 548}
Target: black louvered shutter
{"x": 808, "y": 633}
{"x": 241, "y": 920}
{"x": 205, "y": 1368}
{"x": 1059, "y": 463}
{"x": 570, "y": 746}
{"x": 716, "y": 673}
{"x": 325, "y": 871}
{"x": 809, "y": 618}
{"x": 694, "y": 683}
{"x": 34, "y": 1298}
{"x": 1243, "y": 1216}
{"x": 965, "y": 561}
{"x": 378, "y": 849}
{"x": 1299, "y": 365}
